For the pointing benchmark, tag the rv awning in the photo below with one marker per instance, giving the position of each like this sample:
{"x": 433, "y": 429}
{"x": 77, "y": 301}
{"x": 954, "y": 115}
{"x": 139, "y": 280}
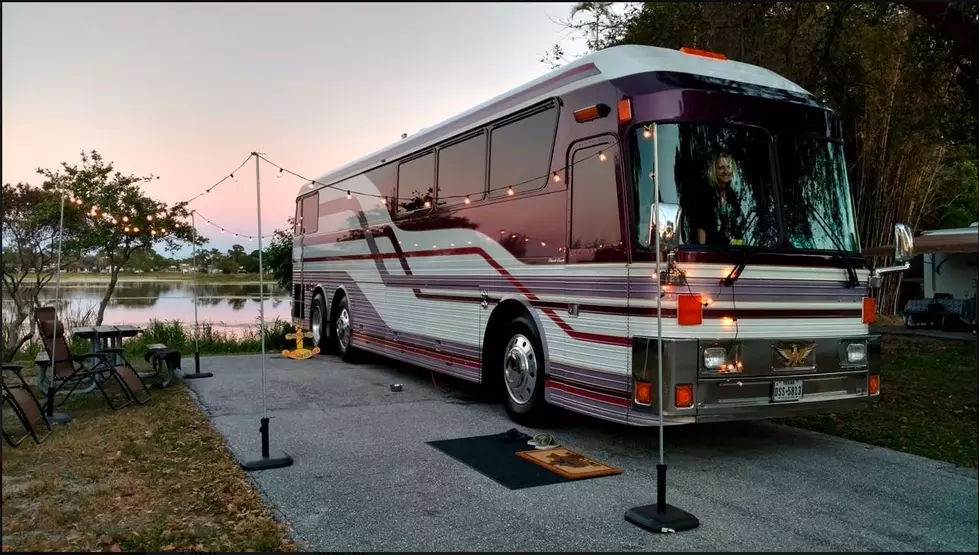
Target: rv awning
{"x": 925, "y": 244}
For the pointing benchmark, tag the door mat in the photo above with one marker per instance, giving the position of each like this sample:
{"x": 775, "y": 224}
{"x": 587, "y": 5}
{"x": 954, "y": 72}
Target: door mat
{"x": 567, "y": 463}
{"x": 496, "y": 457}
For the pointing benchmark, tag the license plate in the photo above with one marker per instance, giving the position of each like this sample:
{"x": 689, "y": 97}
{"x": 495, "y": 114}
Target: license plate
{"x": 786, "y": 390}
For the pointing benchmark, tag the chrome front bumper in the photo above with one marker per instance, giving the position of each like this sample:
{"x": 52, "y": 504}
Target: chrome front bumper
{"x": 829, "y": 383}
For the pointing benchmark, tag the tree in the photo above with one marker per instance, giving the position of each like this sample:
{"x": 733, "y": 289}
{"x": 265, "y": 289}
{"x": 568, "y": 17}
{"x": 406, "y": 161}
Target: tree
{"x": 277, "y": 258}
{"x": 31, "y": 220}
{"x": 119, "y": 218}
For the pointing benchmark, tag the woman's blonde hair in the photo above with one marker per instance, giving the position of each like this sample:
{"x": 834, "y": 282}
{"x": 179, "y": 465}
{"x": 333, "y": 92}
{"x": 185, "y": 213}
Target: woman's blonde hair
{"x": 712, "y": 169}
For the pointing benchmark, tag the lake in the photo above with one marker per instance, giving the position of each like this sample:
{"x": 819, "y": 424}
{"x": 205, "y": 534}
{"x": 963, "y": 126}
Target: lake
{"x": 224, "y": 305}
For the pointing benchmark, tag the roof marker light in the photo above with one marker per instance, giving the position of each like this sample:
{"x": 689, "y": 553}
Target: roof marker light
{"x": 704, "y": 53}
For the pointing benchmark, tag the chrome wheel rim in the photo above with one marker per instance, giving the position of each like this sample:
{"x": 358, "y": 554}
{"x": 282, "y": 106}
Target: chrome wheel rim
{"x": 343, "y": 328}
{"x": 520, "y": 369}
{"x": 316, "y": 322}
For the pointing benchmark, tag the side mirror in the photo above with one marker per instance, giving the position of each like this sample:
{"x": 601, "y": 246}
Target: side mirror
{"x": 667, "y": 224}
{"x": 903, "y": 243}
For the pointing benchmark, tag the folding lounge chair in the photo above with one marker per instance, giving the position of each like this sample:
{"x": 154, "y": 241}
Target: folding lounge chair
{"x": 70, "y": 369}
{"x": 19, "y": 397}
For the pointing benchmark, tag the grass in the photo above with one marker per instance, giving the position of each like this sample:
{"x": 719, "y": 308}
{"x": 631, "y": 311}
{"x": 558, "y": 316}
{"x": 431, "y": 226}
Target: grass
{"x": 154, "y": 477}
{"x": 179, "y": 336}
{"x": 929, "y": 392}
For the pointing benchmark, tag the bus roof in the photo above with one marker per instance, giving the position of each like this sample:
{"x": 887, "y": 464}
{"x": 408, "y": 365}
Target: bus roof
{"x": 605, "y": 65}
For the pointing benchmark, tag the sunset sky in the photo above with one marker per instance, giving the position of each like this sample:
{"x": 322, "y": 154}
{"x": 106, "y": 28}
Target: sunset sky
{"x": 186, "y": 91}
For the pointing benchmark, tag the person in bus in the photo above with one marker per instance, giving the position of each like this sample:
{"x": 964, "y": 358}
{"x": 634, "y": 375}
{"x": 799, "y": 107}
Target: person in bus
{"x": 719, "y": 221}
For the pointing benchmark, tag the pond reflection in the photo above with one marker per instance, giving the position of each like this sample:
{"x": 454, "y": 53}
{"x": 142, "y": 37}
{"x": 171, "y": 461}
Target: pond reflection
{"x": 138, "y": 302}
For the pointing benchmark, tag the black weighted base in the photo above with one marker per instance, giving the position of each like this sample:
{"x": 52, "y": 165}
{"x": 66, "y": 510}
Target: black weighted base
{"x": 58, "y": 418}
{"x": 660, "y": 517}
{"x": 197, "y": 370}
{"x": 667, "y": 521}
{"x": 280, "y": 460}
{"x": 49, "y": 413}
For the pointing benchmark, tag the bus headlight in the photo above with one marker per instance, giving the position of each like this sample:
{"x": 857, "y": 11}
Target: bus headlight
{"x": 722, "y": 359}
{"x": 856, "y": 353}
{"x": 715, "y": 357}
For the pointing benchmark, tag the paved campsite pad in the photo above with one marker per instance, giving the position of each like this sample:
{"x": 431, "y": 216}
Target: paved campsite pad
{"x": 364, "y": 477}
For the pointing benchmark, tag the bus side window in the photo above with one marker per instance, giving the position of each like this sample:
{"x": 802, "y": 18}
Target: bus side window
{"x": 311, "y": 213}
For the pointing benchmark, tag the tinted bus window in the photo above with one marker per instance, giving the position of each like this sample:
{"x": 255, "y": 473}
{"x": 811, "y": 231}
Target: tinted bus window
{"x": 416, "y": 182}
{"x": 594, "y": 198}
{"x": 462, "y": 171}
{"x": 311, "y": 213}
{"x": 520, "y": 153}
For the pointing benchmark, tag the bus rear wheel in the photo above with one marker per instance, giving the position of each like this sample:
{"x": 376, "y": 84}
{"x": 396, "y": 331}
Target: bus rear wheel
{"x": 521, "y": 363}
{"x": 342, "y": 328}
{"x": 319, "y": 324}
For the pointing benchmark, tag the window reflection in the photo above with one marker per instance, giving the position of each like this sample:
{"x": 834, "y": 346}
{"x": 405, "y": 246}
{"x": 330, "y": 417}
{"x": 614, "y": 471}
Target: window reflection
{"x": 818, "y": 210}
{"x": 719, "y": 174}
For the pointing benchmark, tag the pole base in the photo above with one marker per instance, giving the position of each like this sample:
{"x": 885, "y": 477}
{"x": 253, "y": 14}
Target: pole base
{"x": 58, "y": 418}
{"x": 195, "y": 375}
{"x": 670, "y": 520}
{"x": 274, "y": 460}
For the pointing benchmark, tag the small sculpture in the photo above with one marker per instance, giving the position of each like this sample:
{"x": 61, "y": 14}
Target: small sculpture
{"x": 300, "y": 353}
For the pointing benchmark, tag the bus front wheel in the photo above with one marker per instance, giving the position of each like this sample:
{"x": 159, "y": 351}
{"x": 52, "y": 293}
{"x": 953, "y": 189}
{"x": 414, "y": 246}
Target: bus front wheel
{"x": 521, "y": 362}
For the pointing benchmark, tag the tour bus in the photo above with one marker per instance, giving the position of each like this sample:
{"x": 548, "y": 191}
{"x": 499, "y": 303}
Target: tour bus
{"x": 515, "y": 245}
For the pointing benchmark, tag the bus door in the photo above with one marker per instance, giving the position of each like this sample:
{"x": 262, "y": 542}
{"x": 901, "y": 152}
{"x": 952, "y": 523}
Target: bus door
{"x": 596, "y": 264}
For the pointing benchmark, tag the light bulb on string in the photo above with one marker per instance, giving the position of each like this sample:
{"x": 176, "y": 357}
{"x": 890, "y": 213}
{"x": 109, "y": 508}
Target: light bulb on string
{"x": 557, "y": 178}
{"x": 468, "y": 200}
{"x": 348, "y": 195}
{"x": 279, "y": 175}
{"x": 233, "y": 178}
{"x": 510, "y": 191}
{"x": 602, "y": 157}
{"x": 647, "y": 133}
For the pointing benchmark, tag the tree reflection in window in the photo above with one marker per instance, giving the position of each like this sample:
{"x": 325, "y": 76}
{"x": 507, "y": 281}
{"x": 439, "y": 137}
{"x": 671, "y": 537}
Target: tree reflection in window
{"x": 814, "y": 184}
{"x": 687, "y": 151}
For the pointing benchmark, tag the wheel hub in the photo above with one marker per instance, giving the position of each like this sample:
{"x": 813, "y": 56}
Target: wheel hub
{"x": 520, "y": 369}
{"x": 343, "y": 328}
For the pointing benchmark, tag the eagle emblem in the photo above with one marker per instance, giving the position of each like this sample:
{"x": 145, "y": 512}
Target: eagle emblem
{"x": 795, "y": 355}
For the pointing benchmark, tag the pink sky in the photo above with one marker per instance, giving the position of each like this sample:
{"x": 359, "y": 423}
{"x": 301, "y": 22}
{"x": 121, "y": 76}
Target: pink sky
{"x": 186, "y": 91}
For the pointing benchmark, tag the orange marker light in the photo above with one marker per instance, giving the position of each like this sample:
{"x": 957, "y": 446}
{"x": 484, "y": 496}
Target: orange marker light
{"x": 869, "y": 310}
{"x": 644, "y": 393}
{"x": 591, "y": 112}
{"x": 684, "y": 395}
{"x": 625, "y": 110}
{"x": 689, "y": 310}
{"x": 873, "y": 384}
{"x": 704, "y": 53}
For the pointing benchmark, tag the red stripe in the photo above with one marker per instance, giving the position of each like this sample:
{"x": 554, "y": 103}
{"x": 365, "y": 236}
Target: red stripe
{"x": 582, "y": 392}
{"x": 460, "y": 251}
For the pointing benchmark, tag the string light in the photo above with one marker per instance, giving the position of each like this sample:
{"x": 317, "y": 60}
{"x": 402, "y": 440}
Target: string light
{"x": 510, "y": 191}
{"x": 233, "y": 178}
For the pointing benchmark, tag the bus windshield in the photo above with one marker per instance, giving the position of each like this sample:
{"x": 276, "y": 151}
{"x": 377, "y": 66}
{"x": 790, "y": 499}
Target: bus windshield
{"x": 721, "y": 176}
{"x": 816, "y": 194}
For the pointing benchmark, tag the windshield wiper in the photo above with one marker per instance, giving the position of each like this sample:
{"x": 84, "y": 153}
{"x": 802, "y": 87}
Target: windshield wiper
{"x": 851, "y": 275}
{"x": 736, "y": 273}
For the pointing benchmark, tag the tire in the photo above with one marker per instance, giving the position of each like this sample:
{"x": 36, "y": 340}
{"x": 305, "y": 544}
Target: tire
{"x": 320, "y": 324}
{"x": 519, "y": 363}
{"x": 341, "y": 327}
